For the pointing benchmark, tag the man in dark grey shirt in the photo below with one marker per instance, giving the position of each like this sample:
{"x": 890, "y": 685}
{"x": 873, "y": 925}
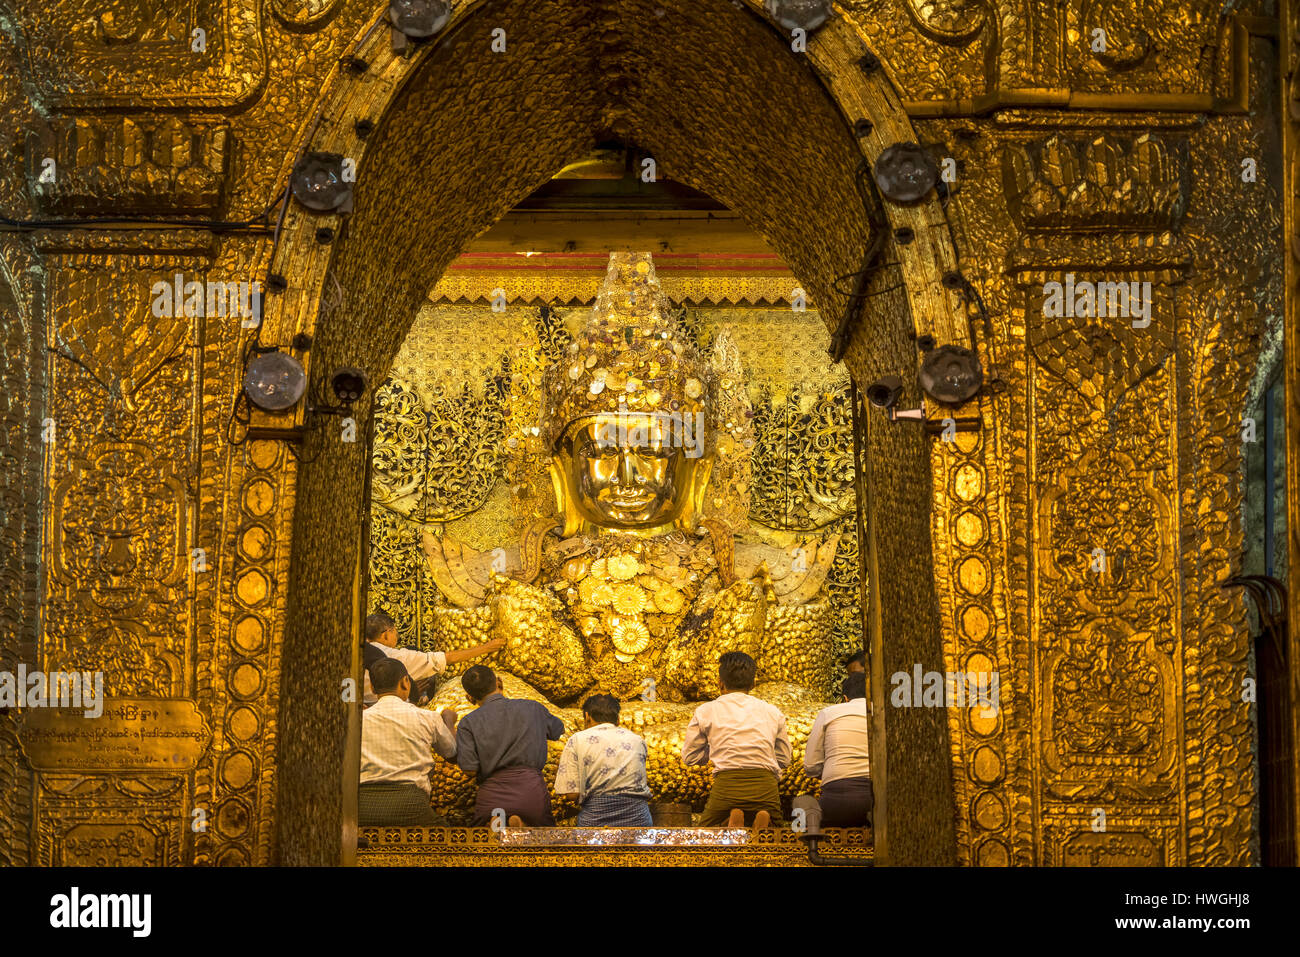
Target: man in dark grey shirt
{"x": 503, "y": 744}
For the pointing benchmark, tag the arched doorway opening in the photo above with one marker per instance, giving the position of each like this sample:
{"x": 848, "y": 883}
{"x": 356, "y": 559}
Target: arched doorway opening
{"x": 448, "y": 141}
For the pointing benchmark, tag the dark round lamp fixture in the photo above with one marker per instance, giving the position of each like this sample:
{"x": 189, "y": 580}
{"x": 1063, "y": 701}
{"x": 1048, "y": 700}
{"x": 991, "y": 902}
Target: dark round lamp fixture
{"x": 951, "y": 375}
{"x": 275, "y": 381}
{"x": 317, "y": 182}
{"x": 885, "y": 391}
{"x": 418, "y": 19}
{"x": 349, "y": 384}
{"x": 807, "y": 15}
{"x": 905, "y": 172}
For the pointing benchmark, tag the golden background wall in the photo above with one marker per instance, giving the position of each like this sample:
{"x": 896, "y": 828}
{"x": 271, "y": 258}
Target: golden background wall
{"x": 1120, "y": 690}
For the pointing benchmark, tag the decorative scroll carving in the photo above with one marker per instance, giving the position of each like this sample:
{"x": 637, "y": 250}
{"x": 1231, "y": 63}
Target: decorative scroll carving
{"x": 1108, "y": 182}
{"x": 949, "y": 21}
{"x": 1101, "y": 357}
{"x": 141, "y": 53}
{"x": 803, "y": 460}
{"x": 1125, "y": 43}
{"x": 116, "y": 165}
{"x": 438, "y": 455}
{"x": 304, "y": 14}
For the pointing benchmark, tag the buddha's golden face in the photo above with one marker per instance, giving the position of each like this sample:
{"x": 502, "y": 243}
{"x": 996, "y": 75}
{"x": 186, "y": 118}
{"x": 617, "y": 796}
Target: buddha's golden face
{"x": 627, "y": 472}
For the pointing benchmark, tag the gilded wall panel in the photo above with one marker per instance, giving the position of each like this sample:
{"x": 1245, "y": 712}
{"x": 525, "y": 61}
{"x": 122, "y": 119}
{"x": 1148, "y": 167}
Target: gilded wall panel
{"x": 1132, "y": 435}
{"x": 121, "y": 432}
{"x": 22, "y": 369}
{"x": 142, "y": 53}
{"x": 1080, "y": 538}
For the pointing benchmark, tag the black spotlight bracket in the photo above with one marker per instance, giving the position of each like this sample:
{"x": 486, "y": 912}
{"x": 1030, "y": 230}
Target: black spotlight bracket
{"x": 293, "y": 434}
{"x": 933, "y": 427}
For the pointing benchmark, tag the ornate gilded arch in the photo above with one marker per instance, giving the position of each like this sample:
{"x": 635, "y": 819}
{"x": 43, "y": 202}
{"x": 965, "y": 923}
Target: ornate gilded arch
{"x": 825, "y": 117}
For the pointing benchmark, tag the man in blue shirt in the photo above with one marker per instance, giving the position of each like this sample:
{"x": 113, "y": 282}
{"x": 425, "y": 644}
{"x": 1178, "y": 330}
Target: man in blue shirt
{"x": 503, "y": 744}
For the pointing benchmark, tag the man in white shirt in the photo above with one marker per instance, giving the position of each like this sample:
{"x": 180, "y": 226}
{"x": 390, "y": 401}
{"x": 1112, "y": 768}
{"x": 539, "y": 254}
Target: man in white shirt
{"x": 837, "y": 752}
{"x": 398, "y": 741}
{"x": 746, "y": 740}
{"x": 603, "y": 767}
{"x": 381, "y": 642}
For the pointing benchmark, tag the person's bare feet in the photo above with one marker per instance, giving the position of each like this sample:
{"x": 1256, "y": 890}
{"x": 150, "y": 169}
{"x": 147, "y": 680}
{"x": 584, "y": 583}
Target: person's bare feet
{"x": 515, "y": 821}
{"x": 762, "y": 821}
{"x": 737, "y": 818}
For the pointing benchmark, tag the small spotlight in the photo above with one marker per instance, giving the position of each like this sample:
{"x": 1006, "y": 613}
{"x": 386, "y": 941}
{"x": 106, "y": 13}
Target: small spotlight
{"x": 418, "y": 19}
{"x": 275, "y": 381}
{"x": 951, "y": 375}
{"x": 905, "y": 172}
{"x": 807, "y": 15}
{"x": 349, "y": 385}
{"x": 885, "y": 392}
{"x": 317, "y": 182}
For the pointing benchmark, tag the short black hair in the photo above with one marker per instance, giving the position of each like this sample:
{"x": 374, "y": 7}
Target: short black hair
{"x": 377, "y": 623}
{"x": 603, "y": 707}
{"x": 386, "y": 675}
{"x": 736, "y": 671}
{"x": 857, "y": 658}
{"x": 479, "y": 682}
{"x": 855, "y": 685}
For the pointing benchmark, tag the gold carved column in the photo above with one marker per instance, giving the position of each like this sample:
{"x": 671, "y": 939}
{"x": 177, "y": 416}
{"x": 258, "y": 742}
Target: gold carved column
{"x": 123, "y": 427}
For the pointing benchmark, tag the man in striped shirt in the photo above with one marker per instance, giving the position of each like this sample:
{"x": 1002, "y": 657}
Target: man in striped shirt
{"x": 398, "y": 741}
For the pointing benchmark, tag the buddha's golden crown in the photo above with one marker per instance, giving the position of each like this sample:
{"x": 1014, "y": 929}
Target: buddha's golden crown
{"x": 628, "y": 357}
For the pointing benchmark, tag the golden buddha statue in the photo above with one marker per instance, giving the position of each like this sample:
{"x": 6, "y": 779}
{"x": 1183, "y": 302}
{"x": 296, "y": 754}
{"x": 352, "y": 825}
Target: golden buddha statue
{"x": 647, "y": 572}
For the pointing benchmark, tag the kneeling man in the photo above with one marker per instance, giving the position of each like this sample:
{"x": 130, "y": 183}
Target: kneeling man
{"x": 837, "y": 752}
{"x": 747, "y": 741}
{"x": 603, "y": 767}
{"x": 397, "y": 745}
{"x": 503, "y": 744}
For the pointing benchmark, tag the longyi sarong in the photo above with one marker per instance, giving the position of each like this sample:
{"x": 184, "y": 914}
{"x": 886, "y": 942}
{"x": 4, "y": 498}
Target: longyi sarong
{"x": 517, "y": 790}
{"x": 614, "y": 810}
{"x": 847, "y": 802}
{"x": 750, "y": 789}
{"x": 395, "y": 803}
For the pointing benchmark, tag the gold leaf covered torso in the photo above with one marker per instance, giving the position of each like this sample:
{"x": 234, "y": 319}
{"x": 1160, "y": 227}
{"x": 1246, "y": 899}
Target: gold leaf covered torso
{"x": 626, "y": 615}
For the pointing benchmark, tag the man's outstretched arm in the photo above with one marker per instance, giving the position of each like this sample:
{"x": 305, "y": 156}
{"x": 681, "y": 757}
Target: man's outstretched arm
{"x": 465, "y": 654}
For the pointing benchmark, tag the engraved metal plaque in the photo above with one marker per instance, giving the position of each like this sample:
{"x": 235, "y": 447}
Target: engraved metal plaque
{"x": 132, "y": 734}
